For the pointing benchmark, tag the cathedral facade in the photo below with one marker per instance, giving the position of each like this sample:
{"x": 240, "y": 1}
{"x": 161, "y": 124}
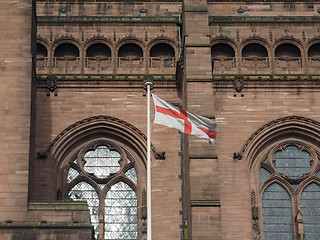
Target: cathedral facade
{"x": 74, "y": 119}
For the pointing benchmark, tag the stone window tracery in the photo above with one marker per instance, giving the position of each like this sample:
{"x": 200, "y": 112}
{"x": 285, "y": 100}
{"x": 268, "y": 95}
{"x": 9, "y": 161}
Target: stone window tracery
{"x": 290, "y": 192}
{"x": 103, "y": 174}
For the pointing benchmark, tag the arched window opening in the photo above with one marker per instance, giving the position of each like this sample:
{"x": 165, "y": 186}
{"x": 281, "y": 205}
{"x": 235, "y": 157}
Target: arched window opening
{"x": 121, "y": 213}
{"x": 223, "y": 57}
{"x": 314, "y": 50}
{"x": 288, "y": 57}
{"x": 287, "y": 50}
{"x": 277, "y": 213}
{"x": 314, "y": 56}
{"x": 254, "y": 50}
{"x": 104, "y": 163}
{"x": 310, "y": 210}
{"x": 98, "y": 57}
{"x": 222, "y": 50}
{"x": 98, "y": 50}
{"x": 42, "y": 56}
{"x": 85, "y": 192}
{"x": 255, "y": 57}
{"x": 66, "y": 56}
{"x": 162, "y": 56}
{"x": 66, "y": 50}
{"x": 41, "y": 51}
{"x": 290, "y": 164}
{"x": 130, "y": 55}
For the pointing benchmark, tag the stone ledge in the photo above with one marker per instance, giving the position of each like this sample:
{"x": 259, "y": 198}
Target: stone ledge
{"x": 203, "y": 157}
{"x": 103, "y": 1}
{"x": 271, "y": 19}
{"x": 45, "y": 225}
{"x": 58, "y": 206}
{"x": 94, "y": 19}
{"x": 267, "y": 77}
{"x": 205, "y": 203}
{"x": 262, "y": 1}
{"x": 106, "y": 81}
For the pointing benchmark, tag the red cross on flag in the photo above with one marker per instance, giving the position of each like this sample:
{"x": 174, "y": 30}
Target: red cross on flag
{"x": 171, "y": 116}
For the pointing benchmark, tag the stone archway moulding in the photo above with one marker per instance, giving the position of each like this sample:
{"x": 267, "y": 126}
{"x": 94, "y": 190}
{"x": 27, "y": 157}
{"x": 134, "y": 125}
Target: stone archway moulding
{"x": 99, "y": 126}
{"x": 288, "y": 127}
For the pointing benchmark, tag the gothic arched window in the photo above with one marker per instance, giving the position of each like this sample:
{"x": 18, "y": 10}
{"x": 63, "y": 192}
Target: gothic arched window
{"x": 290, "y": 192}
{"x": 104, "y": 174}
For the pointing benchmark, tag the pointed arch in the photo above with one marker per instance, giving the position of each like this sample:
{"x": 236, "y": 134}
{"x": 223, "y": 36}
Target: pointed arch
{"x": 291, "y": 127}
{"x": 94, "y": 128}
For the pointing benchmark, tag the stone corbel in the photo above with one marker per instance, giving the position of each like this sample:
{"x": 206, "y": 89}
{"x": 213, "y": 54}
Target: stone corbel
{"x": 52, "y": 85}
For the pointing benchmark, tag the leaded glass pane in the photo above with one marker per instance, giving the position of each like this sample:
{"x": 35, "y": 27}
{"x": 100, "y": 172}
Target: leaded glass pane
{"x": 310, "y": 210}
{"x": 120, "y": 213}
{"x": 102, "y": 161}
{"x": 72, "y": 174}
{"x": 292, "y": 162}
{"x": 132, "y": 175}
{"x": 263, "y": 175}
{"x": 277, "y": 213}
{"x": 85, "y": 192}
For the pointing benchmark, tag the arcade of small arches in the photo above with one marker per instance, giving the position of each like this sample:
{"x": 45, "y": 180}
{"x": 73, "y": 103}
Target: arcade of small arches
{"x": 101, "y": 57}
{"x": 285, "y": 57}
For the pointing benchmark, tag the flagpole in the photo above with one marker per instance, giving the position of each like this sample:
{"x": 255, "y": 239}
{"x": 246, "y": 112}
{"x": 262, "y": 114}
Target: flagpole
{"x": 148, "y": 84}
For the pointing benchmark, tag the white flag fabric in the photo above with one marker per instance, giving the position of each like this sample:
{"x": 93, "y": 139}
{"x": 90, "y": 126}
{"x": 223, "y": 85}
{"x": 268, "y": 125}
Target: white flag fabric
{"x": 171, "y": 116}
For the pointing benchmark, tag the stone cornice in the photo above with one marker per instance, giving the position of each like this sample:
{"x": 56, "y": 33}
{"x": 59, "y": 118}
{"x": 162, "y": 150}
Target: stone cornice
{"x": 264, "y": 19}
{"x": 268, "y": 77}
{"x": 104, "y": 19}
{"x": 205, "y": 203}
{"x": 103, "y": 1}
{"x": 105, "y": 80}
{"x": 264, "y": 1}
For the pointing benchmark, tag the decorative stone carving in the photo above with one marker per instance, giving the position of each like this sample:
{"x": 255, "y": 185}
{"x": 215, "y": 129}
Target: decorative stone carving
{"x": 144, "y": 205}
{"x": 144, "y": 212}
{"x": 237, "y": 156}
{"x": 52, "y": 85}
{"x": 255, "y": 217}
{"x": 238, "y": 83}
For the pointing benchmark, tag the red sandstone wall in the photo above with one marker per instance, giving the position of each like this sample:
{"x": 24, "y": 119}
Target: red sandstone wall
{"x": 15, "y": 78}
{"x": 55, "y": 113}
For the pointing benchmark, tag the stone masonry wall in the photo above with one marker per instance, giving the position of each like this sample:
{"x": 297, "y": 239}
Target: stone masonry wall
{"x": 15, "y": 78}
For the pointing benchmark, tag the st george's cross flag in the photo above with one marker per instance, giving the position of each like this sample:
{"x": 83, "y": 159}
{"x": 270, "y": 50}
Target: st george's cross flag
{"x": 171, "y": 116}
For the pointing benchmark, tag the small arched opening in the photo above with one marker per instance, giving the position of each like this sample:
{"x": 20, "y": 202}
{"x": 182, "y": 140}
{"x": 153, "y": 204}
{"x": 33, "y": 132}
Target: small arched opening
{"x": 288, "y": 57}
{"x": 66, "y": 50}
{"x": 130, "y": 55}
{"x": 66, "y": 56}
{"x": 162, "y": 56}
{"x": 98, "y": 57}
{"x": 314, "y": 56}
{"x": 223, "y": 57}
{"x": 42, "y": 56}
{"x": 254, "y": 56}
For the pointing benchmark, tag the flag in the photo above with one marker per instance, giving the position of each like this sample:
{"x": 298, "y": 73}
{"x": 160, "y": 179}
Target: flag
{"x": 171, "y": 116}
